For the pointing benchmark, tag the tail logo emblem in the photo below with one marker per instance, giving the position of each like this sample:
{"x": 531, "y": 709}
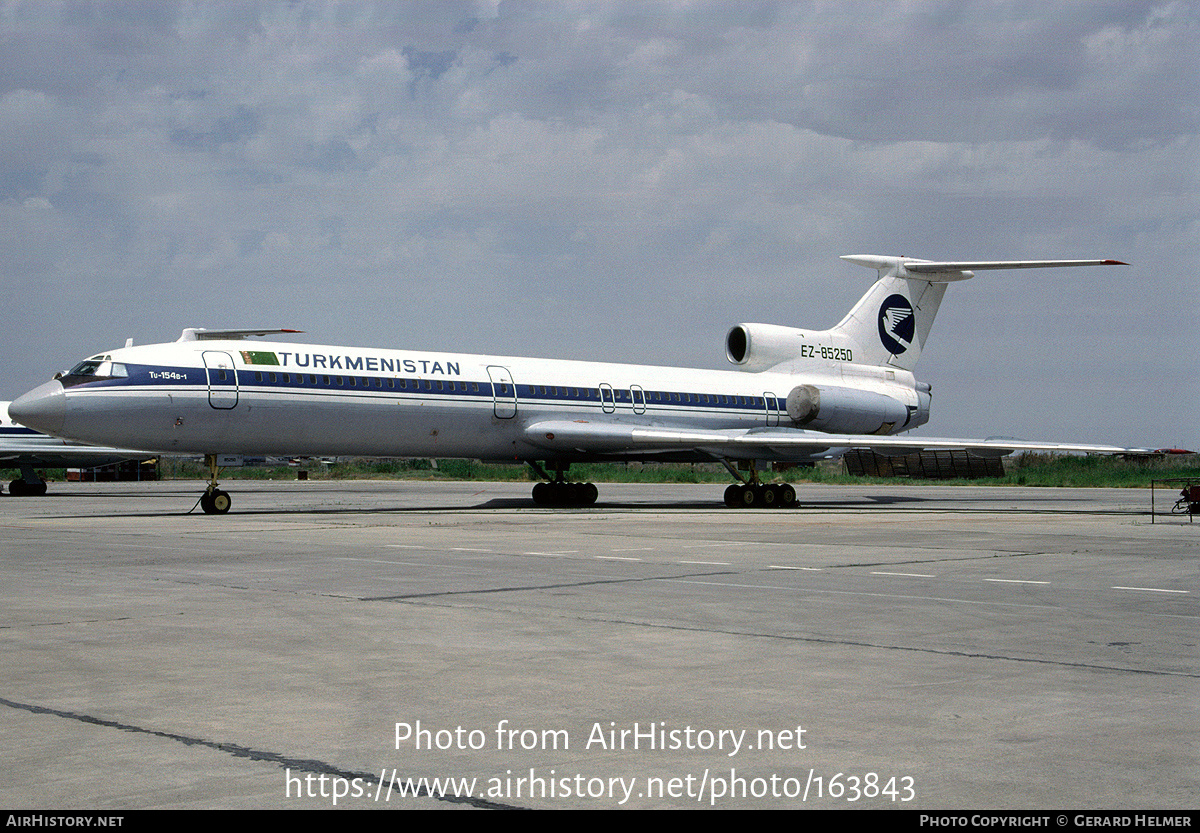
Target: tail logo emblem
{"x": 897, "y": 325}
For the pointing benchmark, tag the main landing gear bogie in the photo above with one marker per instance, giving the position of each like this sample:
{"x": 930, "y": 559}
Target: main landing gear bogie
{"x": 562, "y": 493}
{"x": 760, "y": 495}
{"x": 557, "y": 491}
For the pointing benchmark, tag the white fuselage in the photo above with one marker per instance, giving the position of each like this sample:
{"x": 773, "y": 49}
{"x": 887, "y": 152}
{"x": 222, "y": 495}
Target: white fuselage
{"x": 254, "y": 397}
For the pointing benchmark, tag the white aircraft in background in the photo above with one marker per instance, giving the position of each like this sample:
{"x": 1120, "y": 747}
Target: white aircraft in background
{"x": 24, "y": 448}
{"x": 796, "y": 396}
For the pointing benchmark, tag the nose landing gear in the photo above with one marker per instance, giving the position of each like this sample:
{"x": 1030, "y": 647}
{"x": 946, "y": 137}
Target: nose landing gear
{"x": 214, "y": 501}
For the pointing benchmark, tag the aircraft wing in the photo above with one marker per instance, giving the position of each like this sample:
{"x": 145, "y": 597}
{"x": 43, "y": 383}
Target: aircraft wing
{"x": 606, "y": 438}
{"x": 24, "y": 447}
{"x": 60, "y": 454}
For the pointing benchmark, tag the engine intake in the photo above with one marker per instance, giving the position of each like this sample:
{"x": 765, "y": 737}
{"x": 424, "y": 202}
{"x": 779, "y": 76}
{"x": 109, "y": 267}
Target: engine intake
{"x": 762, "y": 346}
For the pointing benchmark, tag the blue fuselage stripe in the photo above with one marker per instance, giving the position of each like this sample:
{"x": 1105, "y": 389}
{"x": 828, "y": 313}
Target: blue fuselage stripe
{"x": 183, "y": 378}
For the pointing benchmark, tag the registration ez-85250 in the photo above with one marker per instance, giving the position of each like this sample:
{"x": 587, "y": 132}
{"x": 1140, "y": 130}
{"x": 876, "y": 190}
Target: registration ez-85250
{"x": 833, "y": 354}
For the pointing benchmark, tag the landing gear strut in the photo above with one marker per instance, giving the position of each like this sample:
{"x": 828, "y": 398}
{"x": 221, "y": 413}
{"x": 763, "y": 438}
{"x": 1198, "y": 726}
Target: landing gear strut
{"x": 558, "y": 492}
{"x": 214, "y": 501}
{"x": 751, "y": 493}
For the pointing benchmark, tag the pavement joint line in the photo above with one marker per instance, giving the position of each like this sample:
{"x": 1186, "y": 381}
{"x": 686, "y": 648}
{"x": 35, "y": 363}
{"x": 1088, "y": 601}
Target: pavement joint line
{"x": 238, "y": 751}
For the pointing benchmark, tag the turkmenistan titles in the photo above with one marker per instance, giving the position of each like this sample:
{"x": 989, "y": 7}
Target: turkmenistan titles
{"x": 370, "y": 364}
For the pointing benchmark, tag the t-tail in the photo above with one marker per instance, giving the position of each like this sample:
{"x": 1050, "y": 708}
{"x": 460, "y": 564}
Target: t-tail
{"x": 889, "y": 325}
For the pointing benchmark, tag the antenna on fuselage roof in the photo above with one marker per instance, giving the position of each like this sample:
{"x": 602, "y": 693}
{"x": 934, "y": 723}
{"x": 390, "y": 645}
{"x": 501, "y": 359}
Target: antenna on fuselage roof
{"x": 202, "y": 334}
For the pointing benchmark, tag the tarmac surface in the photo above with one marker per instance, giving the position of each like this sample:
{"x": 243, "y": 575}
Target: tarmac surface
{"x": 907, "y": 646}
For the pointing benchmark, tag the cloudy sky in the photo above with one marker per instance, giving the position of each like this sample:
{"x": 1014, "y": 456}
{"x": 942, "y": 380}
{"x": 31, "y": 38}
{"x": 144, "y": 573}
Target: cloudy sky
{"x": 616, "y": 181}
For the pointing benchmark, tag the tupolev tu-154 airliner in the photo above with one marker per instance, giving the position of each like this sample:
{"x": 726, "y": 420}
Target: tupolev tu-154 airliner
{"x": 795, "y": 396}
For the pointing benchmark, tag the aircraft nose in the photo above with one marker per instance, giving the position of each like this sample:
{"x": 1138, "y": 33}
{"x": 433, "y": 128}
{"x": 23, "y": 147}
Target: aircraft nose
{"x": 43, "y": 409}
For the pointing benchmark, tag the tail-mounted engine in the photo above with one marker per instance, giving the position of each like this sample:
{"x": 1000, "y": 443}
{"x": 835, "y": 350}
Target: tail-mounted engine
{"x": 762, "y": 346}
{"x": 839, "y": 410}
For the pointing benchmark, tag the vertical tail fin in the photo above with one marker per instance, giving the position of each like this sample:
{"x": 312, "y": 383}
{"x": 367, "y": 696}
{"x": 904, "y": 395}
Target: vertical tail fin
{"x": 889, "y": 325}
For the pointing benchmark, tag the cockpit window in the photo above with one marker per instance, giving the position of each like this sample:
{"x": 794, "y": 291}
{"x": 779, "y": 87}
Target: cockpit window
{"x": 94, "y": 369}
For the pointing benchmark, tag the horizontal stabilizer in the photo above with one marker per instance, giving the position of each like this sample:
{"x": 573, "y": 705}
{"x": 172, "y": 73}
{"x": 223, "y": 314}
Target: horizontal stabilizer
{"x": 202, "y": 334}
{"x": 965, "y": 265}
{"x": 942, "y": 271}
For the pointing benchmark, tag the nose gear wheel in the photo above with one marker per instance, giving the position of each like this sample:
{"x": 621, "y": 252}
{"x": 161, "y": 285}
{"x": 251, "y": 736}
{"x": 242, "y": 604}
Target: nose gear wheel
{"x": 214, "y": 501}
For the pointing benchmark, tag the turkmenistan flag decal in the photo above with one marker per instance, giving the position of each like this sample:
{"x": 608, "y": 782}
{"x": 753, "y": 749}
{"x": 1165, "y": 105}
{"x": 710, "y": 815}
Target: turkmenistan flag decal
{"x": 259, "y": 357}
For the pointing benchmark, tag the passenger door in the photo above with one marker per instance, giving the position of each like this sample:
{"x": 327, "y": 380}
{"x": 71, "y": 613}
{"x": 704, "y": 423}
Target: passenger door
{"x": 222, "y": 379}
{"x": 504, "y": 392}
